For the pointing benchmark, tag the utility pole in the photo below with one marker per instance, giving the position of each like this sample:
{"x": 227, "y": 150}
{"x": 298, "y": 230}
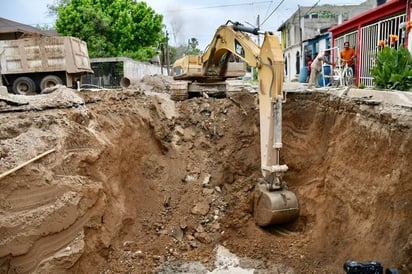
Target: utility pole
{"x": 258, "y": 26}
{"x": 1, "y": 76}
{"x": 162, "y": 58}
{"x": 167, "y": 53}
{"x": 302, "y": 48}
{"x": 252, "y": 69}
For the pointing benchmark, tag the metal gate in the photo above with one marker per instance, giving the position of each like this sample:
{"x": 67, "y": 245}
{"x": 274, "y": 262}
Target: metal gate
{"x": 370, "y": 36}
{"x": 351, "y": 37}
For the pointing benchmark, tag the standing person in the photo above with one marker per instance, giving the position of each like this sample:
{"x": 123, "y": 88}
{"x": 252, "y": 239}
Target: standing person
{"x": 316, "y": 67}
{"x": 309, "y": 63}
{"x": 348, "y": 55}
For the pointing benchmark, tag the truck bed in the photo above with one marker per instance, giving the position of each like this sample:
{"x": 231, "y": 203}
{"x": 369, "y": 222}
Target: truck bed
{"x": 44, "y": 54}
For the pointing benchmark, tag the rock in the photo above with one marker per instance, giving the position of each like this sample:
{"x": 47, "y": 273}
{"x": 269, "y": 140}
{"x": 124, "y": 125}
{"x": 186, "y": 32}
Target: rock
{"x": 3, "y": 90}
{"x": 203, "y": 237}
{"x": 177, "y": 233}
{"x": 202, "y": 208}
{"x": 206, "y": 180}
{"x": 200, "y": 228}
{"x": 208, "y": 192}
{"x": 127, "y": 245}
{"x": 193, "y": 177}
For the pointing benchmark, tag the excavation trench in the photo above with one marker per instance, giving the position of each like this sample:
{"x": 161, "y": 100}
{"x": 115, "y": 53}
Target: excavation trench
{"x": 141, "y": 184}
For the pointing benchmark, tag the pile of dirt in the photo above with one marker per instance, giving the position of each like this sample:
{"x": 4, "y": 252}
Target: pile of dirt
{"x": 138, "y": 183}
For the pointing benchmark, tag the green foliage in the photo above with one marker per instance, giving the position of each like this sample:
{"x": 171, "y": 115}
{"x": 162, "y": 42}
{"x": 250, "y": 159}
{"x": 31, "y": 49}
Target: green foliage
{"x": 192, "y": 47}
{"x": 182, "y": 50}
{"x": 326, "y": 14}
{"x": 111, "y": 27}
{"x": 393, "y": 69}
{"x": 255, "y": 74}
{"x": 361, "y": 86}
{"x": 44, "y": 27}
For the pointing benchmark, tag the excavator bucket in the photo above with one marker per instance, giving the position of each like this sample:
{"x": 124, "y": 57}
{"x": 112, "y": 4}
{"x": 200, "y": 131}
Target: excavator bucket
{"x": 274, "y": 207}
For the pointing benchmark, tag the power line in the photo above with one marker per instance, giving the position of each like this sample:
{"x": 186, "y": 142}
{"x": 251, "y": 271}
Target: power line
{"x": 275, "y": 9}
{"x": 267, "y": 11}
{"x": 314, "y": 5}
{"x": 223, "y": 6}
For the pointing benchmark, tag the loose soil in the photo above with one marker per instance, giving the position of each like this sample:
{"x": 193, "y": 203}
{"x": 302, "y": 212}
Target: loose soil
{"x": 142, "y": 184}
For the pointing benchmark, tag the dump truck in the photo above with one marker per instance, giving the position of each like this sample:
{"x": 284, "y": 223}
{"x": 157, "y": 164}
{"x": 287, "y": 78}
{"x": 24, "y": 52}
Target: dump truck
{"x": 30, "y": 65}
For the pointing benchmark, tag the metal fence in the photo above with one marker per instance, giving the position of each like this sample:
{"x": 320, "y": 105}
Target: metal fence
{"x": 370, "y": 35}
{"x": 351, "y": 37}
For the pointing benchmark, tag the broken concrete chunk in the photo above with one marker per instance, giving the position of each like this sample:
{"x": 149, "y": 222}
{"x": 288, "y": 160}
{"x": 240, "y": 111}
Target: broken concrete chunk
{"x": 191, "y": 178}
{"x": 206, "y": 180}
{"x": 177, "y": 233}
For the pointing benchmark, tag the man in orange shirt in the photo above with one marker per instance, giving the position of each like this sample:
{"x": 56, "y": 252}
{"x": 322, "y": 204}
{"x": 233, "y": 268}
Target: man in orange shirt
{"x": 348, "y": 55}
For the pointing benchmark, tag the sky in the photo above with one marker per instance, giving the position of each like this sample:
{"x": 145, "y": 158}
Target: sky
{"x": 185, "y": 19}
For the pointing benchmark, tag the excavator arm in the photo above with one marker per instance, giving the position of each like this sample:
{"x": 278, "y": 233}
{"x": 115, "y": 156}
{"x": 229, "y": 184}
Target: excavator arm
{"x": 273, "y": 203}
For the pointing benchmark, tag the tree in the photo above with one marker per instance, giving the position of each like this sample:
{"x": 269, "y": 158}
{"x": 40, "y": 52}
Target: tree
{"x": 192, "y": 49}
{"x": 111, "y": 27}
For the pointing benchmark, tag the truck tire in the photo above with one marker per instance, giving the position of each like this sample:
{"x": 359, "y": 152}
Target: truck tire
{"x": 24, "y": 86}
{"x": 49, "y": 81}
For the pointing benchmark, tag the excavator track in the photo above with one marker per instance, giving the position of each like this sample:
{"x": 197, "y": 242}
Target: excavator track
{"x": 182, "y": 90}
{"x": 179, "y": 91}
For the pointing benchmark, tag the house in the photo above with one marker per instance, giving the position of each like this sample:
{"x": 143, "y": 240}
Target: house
{"x": 11, "y": 30}
{"x": 367, "y": 29}
{"x": 308, "y": 23}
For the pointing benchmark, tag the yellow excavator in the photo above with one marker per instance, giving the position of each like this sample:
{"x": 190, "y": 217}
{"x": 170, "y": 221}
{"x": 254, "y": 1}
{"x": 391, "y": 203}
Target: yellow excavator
{"x": 273, "y": 202}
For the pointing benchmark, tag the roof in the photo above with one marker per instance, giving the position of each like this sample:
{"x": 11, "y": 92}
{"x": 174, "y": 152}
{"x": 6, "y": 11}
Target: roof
{"x": 10, "y": 29}
{"x": 379, "y": 12}
{"x": 302, "y": 11}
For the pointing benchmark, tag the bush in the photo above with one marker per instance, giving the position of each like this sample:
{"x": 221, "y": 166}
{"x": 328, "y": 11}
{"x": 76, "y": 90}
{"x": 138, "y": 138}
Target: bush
{"x": 393, "y": 69}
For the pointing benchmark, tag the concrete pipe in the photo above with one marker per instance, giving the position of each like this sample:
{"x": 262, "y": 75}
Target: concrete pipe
{"x": 125, "y": 82}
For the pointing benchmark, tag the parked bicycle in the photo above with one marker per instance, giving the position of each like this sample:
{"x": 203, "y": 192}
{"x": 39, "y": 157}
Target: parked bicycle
{"x": 342, "y": 74}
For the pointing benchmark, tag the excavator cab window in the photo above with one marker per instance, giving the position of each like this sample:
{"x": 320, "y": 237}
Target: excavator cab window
{"x": 177, "y": 70}
{"x": 239, "y": 49}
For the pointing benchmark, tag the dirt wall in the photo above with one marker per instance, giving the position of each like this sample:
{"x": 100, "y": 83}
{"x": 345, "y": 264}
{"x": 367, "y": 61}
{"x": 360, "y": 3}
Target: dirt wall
{"x": 141, "y": 184}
